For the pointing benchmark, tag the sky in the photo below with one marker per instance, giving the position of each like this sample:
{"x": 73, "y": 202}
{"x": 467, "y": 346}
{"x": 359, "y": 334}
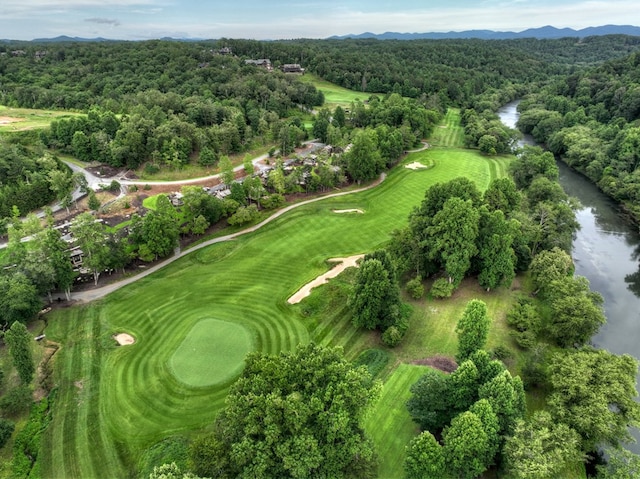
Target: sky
{"x": 285, "y": 19}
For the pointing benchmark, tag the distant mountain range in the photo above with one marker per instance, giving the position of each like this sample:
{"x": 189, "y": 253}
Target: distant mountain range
{"x": 541, "y": 33}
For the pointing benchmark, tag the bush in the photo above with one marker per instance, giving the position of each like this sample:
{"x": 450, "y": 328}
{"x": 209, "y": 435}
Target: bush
{"x": 16, "y": 400}
{"x": 272, "y": 201}
{"x": 502, "y": 353}
{"x": 173, "y": 450}
{"x": 113, "y": 187}
{"x": 442, "y": 288}
{"x": 133, "y": 188}
{"x": 147, "y": 186}
{"x": 151, "y": 169}
{"x": 415, "y": 288}
{"x": 27, "y": 443}
{"x": 6, "y": 429}
{"x": 392, "y": 337}
{"x": 244, "y": 214}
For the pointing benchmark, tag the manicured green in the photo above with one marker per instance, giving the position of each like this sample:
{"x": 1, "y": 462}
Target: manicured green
{"x": 115, "y": 402}
{"x": 19, "y": 119}
{"x": 213, "y": 352}
{"x": 450, "y": 133}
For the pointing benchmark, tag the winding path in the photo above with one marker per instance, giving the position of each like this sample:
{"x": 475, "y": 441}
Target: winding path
{"x": 93, "y": 294}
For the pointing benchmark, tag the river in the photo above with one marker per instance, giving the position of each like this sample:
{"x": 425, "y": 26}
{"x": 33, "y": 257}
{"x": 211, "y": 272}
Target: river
{"x": 606, "y": 250}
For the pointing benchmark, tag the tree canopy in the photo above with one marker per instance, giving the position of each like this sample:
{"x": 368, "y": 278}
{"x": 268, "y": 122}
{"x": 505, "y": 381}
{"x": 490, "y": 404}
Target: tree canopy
{"x": 296, "y": 415}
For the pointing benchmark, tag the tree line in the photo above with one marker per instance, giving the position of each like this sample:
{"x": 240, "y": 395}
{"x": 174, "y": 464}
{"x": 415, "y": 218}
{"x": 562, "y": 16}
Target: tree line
{"x": 589, "y": 119}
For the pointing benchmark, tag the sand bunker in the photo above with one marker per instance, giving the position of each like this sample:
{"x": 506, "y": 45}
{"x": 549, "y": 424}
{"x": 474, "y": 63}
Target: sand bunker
{"x": 352, "y": 210}
{"x": 124, "y": 339}
{"x": 416, "y": 165}
{"x": 5, "y": 120}
{"x": 332, "y": 273}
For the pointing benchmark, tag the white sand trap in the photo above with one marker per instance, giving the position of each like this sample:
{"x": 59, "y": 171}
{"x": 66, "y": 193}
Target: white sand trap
{"x": 416, "y": 165}
{"x": 322, "y": 279}
{"x": 124, "y": 339}
{"x": 352, "y": 210}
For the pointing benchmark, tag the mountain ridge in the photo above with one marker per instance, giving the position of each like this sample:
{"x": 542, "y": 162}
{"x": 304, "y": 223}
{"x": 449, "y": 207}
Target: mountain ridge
{"x": 546, "y": 32}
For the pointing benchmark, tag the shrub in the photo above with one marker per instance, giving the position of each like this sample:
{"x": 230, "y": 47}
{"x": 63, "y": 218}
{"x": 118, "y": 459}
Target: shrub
{"x": 133, "y": 188}
{"x": 151, "y": 169}
{"x": 273, "y": 201}
{"x": 502, "y": 353}
{"x": 442, "y": 288}
{"x": 392, "y": 337}
{"x": 147, "y": 186}
{"x": 16, "y": 400}
{"x": 174, "y": 450}
{"x": 6, "y": 429}
{"x": 415, "y": 288}
{"x": 114, "y": 186}
{"x": 244, "y": 214}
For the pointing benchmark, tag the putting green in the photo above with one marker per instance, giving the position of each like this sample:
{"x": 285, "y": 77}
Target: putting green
{"x": 212, "y": 353}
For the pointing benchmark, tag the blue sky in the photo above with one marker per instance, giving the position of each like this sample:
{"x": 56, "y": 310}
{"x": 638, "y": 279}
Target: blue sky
{"x": 264, "y": 19}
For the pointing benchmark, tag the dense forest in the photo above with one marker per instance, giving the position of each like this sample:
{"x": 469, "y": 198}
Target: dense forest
{"x": 590, "y": 119}
{"x": 165, "y": 104}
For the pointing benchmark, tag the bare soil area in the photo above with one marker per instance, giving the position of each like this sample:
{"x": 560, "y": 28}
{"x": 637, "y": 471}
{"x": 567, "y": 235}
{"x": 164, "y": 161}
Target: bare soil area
{"x": 442, "y": 363}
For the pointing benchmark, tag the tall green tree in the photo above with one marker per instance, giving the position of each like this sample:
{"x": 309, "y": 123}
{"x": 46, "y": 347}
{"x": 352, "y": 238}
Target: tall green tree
{"x": 505, "y": 393}
{"x": 19, "y": 340}
{"x": 495, "y": 253}
{"x": 227, "y": 174}
{"x": 593, "y": 391}
{"x": 430, "y": 402}
{"x": 375, "y": 298}
{"x": 452, "y": 237}
{"x": 540, "y": 447}
{"x": 90, "y": 235}
{"x": 294, "y": 415}
{"x": 424, "y": 459}
{"x": 465, "y": 446}
{"x": 19, "y": 298}
{"x": 576, "y": 311}
{"x": 363, "y": 159}
{"x": 472, "y": 329}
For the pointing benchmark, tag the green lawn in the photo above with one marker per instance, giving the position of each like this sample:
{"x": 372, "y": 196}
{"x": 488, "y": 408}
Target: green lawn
{"x": 115, "y": 402}
{"x": 450, "y": 133}
{"x": 213, "y": 352}
{"x": 390, "y": 425}
{"x": 19, "y": 119}
{"x": 334, "y": 95}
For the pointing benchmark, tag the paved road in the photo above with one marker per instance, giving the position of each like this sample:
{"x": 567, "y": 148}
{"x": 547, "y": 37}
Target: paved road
{"x": 92, "y": 294}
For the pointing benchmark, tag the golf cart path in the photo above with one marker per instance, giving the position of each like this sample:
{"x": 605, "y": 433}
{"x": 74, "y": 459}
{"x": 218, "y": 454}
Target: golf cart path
{"x": 93, "y": 294}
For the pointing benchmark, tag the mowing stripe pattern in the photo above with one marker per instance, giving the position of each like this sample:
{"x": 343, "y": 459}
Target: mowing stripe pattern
{"x": 114, "y": 402}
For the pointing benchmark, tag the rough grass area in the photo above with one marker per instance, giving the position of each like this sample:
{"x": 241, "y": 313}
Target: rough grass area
{"x": 21, "y": 119}
{"x": 115, "y": 403}
{"x": 390, "y": 425}
{"x": 213, "y": 352}
{"x": 334, "y": 95}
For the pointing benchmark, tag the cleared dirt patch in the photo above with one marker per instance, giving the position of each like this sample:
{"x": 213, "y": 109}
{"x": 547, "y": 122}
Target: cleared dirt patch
{"x": 124, "y": 339}
{"x": 5, "y": 120}
{"x": 351, "y": 210}
{"x": 322, "y": 279}
{"x": 443, "y": 363}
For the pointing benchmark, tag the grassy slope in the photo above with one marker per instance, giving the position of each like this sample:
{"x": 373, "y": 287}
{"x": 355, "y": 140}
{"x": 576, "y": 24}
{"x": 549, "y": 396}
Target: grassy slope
{"x": 334, "y": 95}
{"x": 115, "y": 402}
{"x": 30, "y": 119}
